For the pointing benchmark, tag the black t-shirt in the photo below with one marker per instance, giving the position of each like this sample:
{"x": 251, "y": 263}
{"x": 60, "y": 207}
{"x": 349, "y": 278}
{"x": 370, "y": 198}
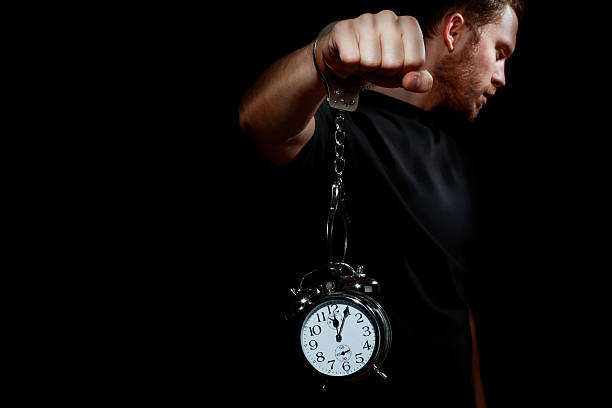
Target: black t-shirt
{"x": 411, "y": 222}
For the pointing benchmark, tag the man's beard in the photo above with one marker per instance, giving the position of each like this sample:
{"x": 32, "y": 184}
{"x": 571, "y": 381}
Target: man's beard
{"x": 454, "y": 84}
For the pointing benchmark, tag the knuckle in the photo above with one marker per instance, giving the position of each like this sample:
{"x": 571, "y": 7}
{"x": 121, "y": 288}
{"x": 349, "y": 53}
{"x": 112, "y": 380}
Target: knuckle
{"x": 415, "y": 63}
{"x": 419, "y": 59}
{"x": 392, "y": 64}
{"x": 393, "y": 59}
{"x": 387, "y": 14}
{"x": 341, "y": 27}
{"x": 411, "y": 26}
{"x": 366, "y": 18}
{"x": 348, "y": 58}
{"x": 415, "y": 60}
{"x": 409, "y": 20}
{"x": 370, "y": 63}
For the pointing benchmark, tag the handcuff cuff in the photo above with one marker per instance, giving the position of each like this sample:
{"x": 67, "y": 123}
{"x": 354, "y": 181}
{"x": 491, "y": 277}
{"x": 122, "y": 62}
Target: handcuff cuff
{"x": 342, "y": 93}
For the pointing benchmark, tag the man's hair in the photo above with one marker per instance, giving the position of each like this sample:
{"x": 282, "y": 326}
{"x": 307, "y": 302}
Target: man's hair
{"x": 477, "y": 13}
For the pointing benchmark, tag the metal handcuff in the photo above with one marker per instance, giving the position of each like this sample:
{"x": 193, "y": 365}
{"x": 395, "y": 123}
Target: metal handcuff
{"x": 342, "y": 95}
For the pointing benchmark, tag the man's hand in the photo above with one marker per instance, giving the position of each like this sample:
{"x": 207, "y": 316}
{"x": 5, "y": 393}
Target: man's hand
{"x": 277, "y": 112}
{"x": 382, "y": 48}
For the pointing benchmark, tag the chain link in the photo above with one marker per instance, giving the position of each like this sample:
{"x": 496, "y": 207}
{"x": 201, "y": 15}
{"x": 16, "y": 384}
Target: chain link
{"x": 339, "y": 136}
{"x": 337, "y": 193}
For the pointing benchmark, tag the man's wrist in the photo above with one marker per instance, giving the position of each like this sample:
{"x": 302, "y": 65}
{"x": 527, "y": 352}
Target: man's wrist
{"x": 320, "y": 65}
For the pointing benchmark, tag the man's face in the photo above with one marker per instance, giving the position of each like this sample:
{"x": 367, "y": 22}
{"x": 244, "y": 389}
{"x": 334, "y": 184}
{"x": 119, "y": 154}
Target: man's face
{"x": 468, "y": 77}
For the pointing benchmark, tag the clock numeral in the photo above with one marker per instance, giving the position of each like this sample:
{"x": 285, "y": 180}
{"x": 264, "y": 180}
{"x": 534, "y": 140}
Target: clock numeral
{"x": 315, "y": 330}
{"x": 366, "y": 331}
{"x": 358, "y": 358}
{"x": 346, "y": 366}
{"x": 313, "y": 344}
{"x": 321, "y": 317}
{"x": 330, "y": 307}
{"x": 359, "y": 317}
{"x": 366, "y": 346}
{"x": 320, "y": 357}
{"x": 332, "y": 364}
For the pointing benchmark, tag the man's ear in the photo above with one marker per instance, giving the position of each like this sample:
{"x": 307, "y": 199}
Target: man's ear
{"x": 454, "y": 27}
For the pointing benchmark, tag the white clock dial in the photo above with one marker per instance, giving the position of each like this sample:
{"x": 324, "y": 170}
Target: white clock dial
{"x": 338, "y": 338}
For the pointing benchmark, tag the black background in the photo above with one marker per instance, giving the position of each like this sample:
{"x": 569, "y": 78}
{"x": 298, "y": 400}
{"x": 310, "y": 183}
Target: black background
{"x": 204, "y": 223}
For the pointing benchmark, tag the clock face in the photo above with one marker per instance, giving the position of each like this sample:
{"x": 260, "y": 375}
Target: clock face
{"x": 338, "y": 338}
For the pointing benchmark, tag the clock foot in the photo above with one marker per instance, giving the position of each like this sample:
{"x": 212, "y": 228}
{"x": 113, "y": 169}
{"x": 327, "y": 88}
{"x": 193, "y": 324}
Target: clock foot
{"x": 380, "y": 373}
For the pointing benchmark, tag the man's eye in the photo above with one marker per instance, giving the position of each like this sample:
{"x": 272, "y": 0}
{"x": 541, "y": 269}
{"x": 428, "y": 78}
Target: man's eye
{"x": 501, "y": 54}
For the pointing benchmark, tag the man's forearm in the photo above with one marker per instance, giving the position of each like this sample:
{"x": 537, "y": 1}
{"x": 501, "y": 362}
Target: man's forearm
{"x": 279, "y": 107}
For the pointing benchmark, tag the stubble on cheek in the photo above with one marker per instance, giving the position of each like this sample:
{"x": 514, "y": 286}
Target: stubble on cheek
{"x": 454, "y": 83}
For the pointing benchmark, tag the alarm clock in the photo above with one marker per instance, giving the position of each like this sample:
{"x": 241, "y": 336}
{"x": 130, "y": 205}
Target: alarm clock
{"x": 340, "y": 330}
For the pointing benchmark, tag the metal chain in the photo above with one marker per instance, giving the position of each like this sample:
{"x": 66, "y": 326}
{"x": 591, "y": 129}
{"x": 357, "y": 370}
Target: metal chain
{"x": 337, "y": 192}
{"x": 339, "y": 136}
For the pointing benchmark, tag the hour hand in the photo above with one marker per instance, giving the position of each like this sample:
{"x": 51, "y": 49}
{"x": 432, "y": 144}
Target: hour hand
{"x": 336, "y": 323}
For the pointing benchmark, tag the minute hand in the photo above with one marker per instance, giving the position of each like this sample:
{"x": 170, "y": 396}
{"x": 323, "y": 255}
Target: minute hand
{"x": 339, "y": 335}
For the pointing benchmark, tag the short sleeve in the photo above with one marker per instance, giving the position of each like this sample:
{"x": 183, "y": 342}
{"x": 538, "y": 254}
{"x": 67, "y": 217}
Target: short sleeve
{"x": 318, "y": 149}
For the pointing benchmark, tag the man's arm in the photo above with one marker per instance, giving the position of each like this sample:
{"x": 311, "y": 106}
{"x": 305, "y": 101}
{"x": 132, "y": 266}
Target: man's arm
{"x": 476, "y": 378}
{"x": 277, "y": 112}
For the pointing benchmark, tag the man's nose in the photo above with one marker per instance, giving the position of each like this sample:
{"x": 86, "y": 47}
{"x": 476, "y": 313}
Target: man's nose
{"x": 499, "y": 76}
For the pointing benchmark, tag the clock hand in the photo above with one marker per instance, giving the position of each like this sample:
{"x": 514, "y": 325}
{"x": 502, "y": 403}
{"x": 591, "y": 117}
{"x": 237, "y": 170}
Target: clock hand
{"x": 339, "y": 335}
{"x": 336, "y": 323}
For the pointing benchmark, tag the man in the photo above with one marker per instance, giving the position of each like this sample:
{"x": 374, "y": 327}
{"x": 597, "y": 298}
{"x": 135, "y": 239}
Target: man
{"x": 407, "y": 180}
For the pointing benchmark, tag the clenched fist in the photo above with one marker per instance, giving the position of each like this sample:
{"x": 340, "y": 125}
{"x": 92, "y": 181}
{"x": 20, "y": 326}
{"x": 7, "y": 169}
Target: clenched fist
{"x": 383, "y": 48}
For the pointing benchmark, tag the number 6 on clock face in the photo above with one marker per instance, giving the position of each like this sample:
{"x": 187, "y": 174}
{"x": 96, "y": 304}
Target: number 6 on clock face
{"x": 339, "y": 337}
